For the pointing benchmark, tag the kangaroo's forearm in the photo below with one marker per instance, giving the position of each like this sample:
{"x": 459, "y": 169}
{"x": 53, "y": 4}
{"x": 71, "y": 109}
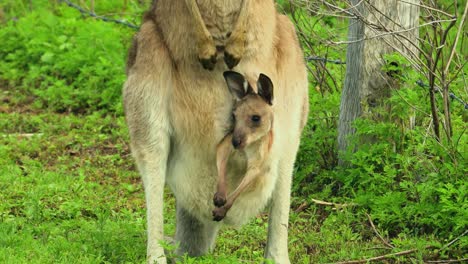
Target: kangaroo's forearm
{"x": 243, "y": 15}
{"x": 200, "y": 27}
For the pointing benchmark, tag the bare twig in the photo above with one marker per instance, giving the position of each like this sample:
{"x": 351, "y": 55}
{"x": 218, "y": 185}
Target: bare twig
{"x": 427, "y": 7}
{"x": 336, "y": 205}
{"x": 22, "y": 135}
{"x": 434, "y": 63}
{"x": 387, "y": 256}
{"x": 447, "y": 261}
{"x": 302, "y": 207}
{"x": 393, "y": 32}
{"x": 460, "y": 29}
{"x": 378, "y": 234}
{"x": 346, "y": 11}
{"x": 455, "y": 240}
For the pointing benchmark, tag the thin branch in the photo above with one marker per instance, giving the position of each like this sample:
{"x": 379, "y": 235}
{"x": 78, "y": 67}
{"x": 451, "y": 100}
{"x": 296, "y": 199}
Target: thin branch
{"x": 378, "y": 234}
{"x": 435, "y": 62}
{"x": 393, "y": 32}
{"x": 447, "y": 261}
{"x": 338, "y": 206}
{"x": 427, "y": 7}
{"x": 455, "y": 240}
{"x": 387, "y": 256}
{"x": 346, "y": 11}
{"x": 460, "y": 29}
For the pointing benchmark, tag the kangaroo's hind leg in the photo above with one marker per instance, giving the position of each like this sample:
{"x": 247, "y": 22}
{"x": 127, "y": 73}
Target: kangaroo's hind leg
{"x": 146, "y": 96}
{"x": 195, "y": 237}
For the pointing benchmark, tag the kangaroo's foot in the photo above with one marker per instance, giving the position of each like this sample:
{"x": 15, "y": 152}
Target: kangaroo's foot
{"x": 219, "y": 213}
{"x": 235, "y": 49}
{"x": 207, "y": 54}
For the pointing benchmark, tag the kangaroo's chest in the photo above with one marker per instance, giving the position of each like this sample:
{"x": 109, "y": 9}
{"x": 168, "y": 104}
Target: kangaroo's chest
{"x": 219, "y": 16}
{"x": 200, "y": 109}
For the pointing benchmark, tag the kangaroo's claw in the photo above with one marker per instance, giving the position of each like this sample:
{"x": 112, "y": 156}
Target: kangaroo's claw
{"x": 230, "y": 60}
{"x": 209, "y": 63}
{"x": 207, "y": 53}
{"x": 235, "y": 49}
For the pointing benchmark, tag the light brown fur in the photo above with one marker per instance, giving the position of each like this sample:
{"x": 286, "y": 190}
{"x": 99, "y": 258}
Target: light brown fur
{"x": 252, "y": 134}
{"x": 176, "y": 112}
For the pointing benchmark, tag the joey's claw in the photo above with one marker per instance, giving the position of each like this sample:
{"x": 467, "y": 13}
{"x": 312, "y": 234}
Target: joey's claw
{"x": 219, "y": 199}
{"x": 219, "y": 213}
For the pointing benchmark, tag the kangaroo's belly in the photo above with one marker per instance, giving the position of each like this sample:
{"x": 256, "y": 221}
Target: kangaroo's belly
{"x": 220, "y": 17}
{"x": 200, "y": 112}
{"x": 192, "y": 177}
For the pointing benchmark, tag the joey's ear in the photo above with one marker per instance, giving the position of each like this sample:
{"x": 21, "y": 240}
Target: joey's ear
{"x": 237, "y": 84}
{"x": 265, "y": 88}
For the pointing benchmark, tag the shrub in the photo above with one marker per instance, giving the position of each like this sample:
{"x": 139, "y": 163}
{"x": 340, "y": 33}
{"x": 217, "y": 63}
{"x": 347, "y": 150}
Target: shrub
{"x": 68, "y": 63}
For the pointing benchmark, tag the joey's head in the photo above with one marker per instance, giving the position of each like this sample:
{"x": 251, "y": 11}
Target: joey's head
{"x": 252, "y": 113}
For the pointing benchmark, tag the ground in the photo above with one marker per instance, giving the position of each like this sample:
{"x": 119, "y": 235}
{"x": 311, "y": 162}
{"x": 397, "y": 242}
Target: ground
{"x": 70, "y": 193}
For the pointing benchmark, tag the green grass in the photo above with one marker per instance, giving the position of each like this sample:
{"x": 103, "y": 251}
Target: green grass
{"x": 70, "y": 194}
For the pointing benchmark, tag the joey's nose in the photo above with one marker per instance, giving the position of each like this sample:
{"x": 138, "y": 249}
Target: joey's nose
{"x": 236, "y": 142}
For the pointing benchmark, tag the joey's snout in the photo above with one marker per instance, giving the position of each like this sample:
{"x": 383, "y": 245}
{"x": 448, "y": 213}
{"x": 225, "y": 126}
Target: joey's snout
{"x": 238, "y": 142}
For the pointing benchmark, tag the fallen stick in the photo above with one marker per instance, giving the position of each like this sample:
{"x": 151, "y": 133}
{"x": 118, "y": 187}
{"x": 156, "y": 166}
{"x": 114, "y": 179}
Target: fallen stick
{"x": 406, "y": 252}
{"x": 447, "y": 261}
{"x": 23, "y": 135}
{"x": 302, "y": 207}
{"x": 337, "y": 205}
{"x": 455, "y": 240}
{"x": 378, "y": 234}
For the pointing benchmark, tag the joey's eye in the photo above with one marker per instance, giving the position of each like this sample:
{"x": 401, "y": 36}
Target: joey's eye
{"x": 255, "y": 118}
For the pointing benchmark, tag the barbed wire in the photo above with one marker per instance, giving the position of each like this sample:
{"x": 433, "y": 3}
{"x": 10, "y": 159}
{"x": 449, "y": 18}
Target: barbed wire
{"x": 437, "y": 89}
{"x": 103, "y": 18}
{"x": 315, "y": 58}
{"x": 418, "y": 82}
{"x": 308, "y": 58}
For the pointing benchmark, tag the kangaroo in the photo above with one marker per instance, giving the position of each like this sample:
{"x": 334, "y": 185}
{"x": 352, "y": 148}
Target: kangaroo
{"x": 252, "y": 134}
{"x": 177, "y": 108}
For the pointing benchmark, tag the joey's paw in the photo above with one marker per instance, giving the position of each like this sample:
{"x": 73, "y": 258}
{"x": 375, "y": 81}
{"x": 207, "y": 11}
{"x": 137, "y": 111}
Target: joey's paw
{"x": 219, "y": 213}
{"x": 219, "y": 199}
{"x": 207, "y": 54}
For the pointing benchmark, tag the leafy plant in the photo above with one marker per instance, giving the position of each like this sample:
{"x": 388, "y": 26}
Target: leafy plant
{"x": 67, "y": 63}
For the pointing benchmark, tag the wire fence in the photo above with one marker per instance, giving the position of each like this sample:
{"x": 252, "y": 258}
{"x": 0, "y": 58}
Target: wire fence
{"x": 103, "y": 18}
{"x": 123, "y": 22}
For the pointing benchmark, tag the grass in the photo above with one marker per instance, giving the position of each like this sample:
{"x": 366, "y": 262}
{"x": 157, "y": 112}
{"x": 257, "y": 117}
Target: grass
{"x": 70, "y": 194}
{"x": 69, "y": 190}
